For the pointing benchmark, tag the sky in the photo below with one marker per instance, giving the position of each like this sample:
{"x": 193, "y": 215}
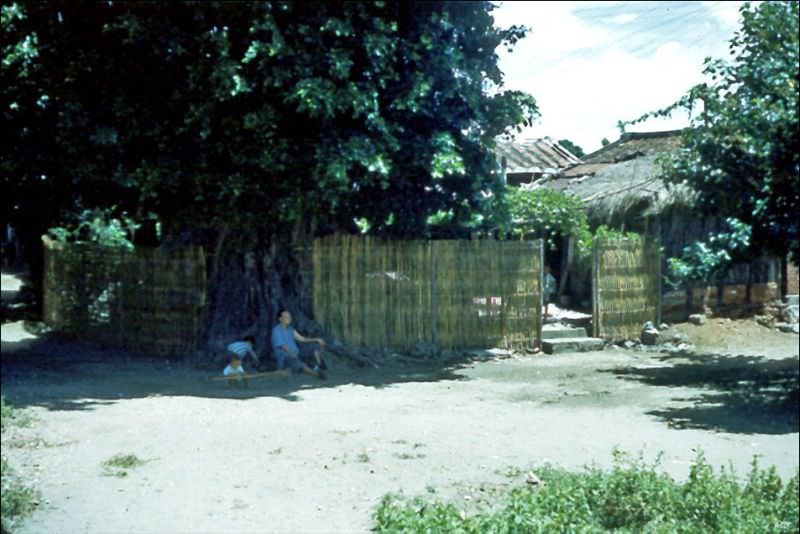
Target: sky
{"x": 591, "y": 64}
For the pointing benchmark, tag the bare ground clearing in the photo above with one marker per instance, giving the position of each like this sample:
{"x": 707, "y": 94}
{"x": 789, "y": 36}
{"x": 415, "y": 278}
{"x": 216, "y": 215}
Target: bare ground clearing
{"x": 299, "y": 455}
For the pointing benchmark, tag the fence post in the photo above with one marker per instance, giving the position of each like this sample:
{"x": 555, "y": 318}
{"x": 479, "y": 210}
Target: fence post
{"x": 595, "y": 287}
{"x": 434, "y": 294}
{"x": 659, "y": 286}
{"x": 540, "y": 320}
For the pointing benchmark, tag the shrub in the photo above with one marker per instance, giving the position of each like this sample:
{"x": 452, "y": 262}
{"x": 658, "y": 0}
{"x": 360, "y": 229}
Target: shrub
{"x": 18, "y": 499}
{"x": 9, "y": 415}
{"x": 632, "y": 497}
{"x": 99, "y": 226}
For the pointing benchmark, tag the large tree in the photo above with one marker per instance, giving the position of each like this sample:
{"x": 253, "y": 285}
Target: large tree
{"x": 250, "y": 127}
{"x": 740, "y": 153}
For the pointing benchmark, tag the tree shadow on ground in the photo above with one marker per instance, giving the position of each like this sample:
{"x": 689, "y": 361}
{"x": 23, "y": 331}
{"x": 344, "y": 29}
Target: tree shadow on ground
{"x": 742, "y": 394}
{"x": 59, "y": 374}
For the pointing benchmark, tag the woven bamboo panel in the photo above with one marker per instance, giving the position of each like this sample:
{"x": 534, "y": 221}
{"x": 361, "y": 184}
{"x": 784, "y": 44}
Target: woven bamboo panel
{"x": 763, "y": 293}
{"x": 734, "y": 295}
{"x": 456, "y": 294}
{"x": 147, "y": 300}
{"x": 704, "y": 297}
{"x": 626, "y": 287}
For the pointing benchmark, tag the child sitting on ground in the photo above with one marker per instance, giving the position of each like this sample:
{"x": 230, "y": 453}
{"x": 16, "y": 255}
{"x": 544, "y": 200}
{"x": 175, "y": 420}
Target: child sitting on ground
{"x": 235, "y": 372}
{"x": 244, "y": 349}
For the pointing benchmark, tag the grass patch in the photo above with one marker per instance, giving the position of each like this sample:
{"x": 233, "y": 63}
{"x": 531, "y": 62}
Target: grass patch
{"x": 407, "y": 456}
{"x": 12, "y": 416}
{"x": 118, "y": 464}
{"x": 18, "y": 499}
{"x": 363, "y": 457}
{"x": 632, "y": 497}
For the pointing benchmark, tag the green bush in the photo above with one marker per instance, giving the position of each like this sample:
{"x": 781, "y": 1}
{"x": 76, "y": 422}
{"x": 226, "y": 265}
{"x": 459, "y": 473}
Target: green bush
{"x": 547, "y": 214}
{"x": 12, "y": 416}
{"x": 632, "y": 497}
{"x": 18, "y": 500}
{"x": 99, "y": 226}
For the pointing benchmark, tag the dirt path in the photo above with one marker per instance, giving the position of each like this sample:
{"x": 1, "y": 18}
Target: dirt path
{"x": 299, "y": 455}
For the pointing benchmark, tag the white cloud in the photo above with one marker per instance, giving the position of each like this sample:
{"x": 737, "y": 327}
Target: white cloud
{"x": 623, "y": 18}
{"x": 727, "y": 13}
{"x": 584, "y": 78}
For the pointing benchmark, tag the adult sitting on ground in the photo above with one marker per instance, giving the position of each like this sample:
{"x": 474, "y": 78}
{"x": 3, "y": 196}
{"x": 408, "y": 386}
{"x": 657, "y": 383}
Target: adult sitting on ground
{"x": 286, "y": 351}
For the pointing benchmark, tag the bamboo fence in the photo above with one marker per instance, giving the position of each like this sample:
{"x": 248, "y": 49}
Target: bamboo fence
{"x": 456, "y": 294}
{"x": 626, "y": 287}
{"x": 148, "y": 300}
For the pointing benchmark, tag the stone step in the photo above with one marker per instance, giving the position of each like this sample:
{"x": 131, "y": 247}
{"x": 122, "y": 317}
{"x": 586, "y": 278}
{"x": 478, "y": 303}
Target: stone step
{"x": 582, "y": 321}
{"x": 571, "y": 344}
{"x": 556, "y": 331}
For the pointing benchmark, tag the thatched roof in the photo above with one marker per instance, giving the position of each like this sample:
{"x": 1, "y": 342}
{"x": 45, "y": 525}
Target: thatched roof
{"x": 632, "y": 145}
{"x": 631, "y": 187}
{"x": 628, "y": 187}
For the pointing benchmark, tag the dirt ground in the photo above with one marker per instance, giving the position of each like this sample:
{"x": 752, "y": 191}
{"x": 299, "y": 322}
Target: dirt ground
{"x": 295, "y": 454}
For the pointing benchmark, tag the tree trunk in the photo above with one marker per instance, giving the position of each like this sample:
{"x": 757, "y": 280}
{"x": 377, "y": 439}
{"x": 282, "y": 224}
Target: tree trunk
{"x": 250, "y": 280}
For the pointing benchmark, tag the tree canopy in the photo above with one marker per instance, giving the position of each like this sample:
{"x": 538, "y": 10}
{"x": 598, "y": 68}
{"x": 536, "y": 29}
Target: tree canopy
{"x": 572, "y": 147}
{"x": 255, "y": 115}
{"x": 740, "y": 153}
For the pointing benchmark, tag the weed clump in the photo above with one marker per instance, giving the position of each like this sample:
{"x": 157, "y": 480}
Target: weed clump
{"x": 118, "y": 464}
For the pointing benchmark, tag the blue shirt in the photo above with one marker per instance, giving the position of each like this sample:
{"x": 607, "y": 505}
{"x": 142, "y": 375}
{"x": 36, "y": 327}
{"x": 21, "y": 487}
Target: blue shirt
{"x": 283, "y": 336}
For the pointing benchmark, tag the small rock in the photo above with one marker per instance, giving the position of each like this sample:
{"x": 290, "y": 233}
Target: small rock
{"x": 650, "y": 336}
{"x": 765, "y": 320}
{"x": 786, "y": 327}
{"x": 628, "y": 344}
{"x": 532, "y": 479}
{"x": 790, "y": 314}
{"x": 697, "y": 318}
{"x": 663, "y": 326}
{"x": 677, "y": 338}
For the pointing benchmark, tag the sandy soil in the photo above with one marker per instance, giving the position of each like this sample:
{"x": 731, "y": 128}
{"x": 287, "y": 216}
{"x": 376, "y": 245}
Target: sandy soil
{"x": 300, "y": 455}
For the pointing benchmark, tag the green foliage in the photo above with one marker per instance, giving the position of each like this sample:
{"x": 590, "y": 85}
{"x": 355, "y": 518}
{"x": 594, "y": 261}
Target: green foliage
{"x": 256, "y": 115}
{"x": 100, "y": 227}
{"x": 604, "y": 141}
{"x": 705, "y": 261}
{"x": 604, "y": 232}
{"x": 12, "y": 416}
{"x": 633, "y": 497}
{"x": 548, "y": 214}
{"x": 740, "y": 153}
{"x": 18, "y": 499}
{"x": 572, "y": 147}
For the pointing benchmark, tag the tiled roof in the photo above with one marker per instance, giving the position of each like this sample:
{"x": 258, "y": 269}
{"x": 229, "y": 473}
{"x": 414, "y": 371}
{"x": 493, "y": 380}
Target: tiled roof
{"x": 636, "y": 144}
{"x": 533, "y": 156}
